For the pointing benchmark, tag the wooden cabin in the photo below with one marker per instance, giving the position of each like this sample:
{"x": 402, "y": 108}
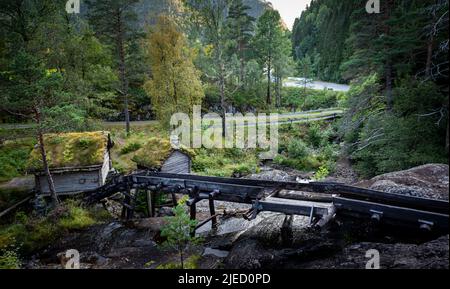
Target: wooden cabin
{"x": 78, "y": 162}
{"x": 159, "y": 155}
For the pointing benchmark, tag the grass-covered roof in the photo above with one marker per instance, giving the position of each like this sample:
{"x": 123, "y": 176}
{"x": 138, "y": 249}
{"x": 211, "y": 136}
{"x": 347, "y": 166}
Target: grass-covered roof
{"x": 154, "y": 152}
{"x": 66, "y": 150}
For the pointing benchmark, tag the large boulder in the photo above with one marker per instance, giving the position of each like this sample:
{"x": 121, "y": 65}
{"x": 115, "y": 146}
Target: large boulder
{"x": 272, "y": 175}
{"x": 427, "y": 181}
{"x": 430, "y": 255}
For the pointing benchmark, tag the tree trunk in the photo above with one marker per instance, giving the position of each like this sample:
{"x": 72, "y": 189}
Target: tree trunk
{"x": 40, "y": 138}
{"x": 269, "y": 67}
{"x": 182, "y": 259}
{"x": 389, "y": 97}
{"x": 447, "y": 144}
{"x": 122, "y": 69}
{"x": 222, "y": 95}
{"x": 429, "y": 56}
{"x": 242, "y": 63}
{"x": 388, "y": 64}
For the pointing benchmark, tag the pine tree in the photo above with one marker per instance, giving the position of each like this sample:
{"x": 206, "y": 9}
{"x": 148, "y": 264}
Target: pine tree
{"x": 114, "y": 21}
{"x": 268, "y": 43}
{"x": 240, "y": 31}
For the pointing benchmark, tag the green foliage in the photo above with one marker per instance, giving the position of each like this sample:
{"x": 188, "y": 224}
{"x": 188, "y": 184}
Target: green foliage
{"x": 178, "y": 231}
{"x": 408, "y": 136}
{"x": 190, "y": 263}
{"x": 130, "y": 147}
{"x": 321, "y": 173}
{"x": 297, "y": 98}
{"x": 225, "y": 162}
{"x": 13, "y": 158}
{"x": 76, "y": 217}
{"x": 298, "y": 149}
{"x": 29, "y": 234}
{"x": 317, "y": 136}
{"x": 268, "y": 43}
{"x": 9, "y": 259}
{"x": 175, "y": 85}
{"x": 315, "y": 152}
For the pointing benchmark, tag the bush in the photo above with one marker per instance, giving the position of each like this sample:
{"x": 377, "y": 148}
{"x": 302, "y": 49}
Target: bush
{"x": 9, "y": 259}
{"x": 14, "y": 157}
{"x": 321, "y": 174}
{"x": 130, "y": 148}
{"x": 316, "y": 135}
{"x": 299, "y": 98}
{"x": 298, "y": 149}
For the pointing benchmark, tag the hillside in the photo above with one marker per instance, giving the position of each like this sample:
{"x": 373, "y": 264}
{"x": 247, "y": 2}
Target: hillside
{"x": 147, "y": 10}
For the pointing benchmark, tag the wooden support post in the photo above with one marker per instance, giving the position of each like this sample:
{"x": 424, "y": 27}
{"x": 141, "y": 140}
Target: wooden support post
{"x": 287, "y": 236}
{"x": 129, "y": 201}
{"x": 124, "y": 209}
{"x": 212, "y": 209}
{"x": 153, "y": 198}
{"x": 149, "y": 204}
{"x": 174, "y": 199}
{"x": 193, "y": 211}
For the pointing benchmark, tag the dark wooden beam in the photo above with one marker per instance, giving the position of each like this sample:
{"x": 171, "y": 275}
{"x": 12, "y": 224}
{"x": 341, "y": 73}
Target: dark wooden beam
{"x": 392, "y": 214}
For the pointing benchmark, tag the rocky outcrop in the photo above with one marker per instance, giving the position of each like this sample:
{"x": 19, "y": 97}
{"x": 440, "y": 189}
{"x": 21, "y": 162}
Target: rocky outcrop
{"x": 427, "y": 181}
{"x": 272, "y": 175}
{"x": 113, "y": 245}
{"x": 430, "y": 255}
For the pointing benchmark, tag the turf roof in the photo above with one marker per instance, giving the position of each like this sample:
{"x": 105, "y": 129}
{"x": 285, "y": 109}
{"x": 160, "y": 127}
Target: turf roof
{"x": 66, "y": 150}
{"x": 155, "y": 152}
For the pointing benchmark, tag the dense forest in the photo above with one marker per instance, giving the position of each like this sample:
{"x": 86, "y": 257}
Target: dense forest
{"x": 397, "y": 62}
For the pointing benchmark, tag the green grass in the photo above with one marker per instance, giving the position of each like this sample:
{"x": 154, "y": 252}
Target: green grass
{"x": 225, "y": 162}
{"x": 190, "y": 263}
{"x": 30, "y": 233}
{"x": 14, "y": 156}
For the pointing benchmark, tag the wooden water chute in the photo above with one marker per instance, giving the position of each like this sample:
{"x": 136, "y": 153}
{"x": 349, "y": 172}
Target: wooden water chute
{"x": 335, "y": 199}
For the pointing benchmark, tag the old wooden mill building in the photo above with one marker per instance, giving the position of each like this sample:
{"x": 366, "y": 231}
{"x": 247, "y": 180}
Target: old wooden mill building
{"x": 81, "y": 162}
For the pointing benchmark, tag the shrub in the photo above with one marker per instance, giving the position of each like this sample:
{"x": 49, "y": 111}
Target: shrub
{"x": 130, "y": 148}
{"x": 316, "y": 135}
{"x": 178, "y": 231}
{"x": 9, "y": 259}
{"x": 321, "y": 174}
{"x": 14, "y": 157}
{"x": 298, "y": 149}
